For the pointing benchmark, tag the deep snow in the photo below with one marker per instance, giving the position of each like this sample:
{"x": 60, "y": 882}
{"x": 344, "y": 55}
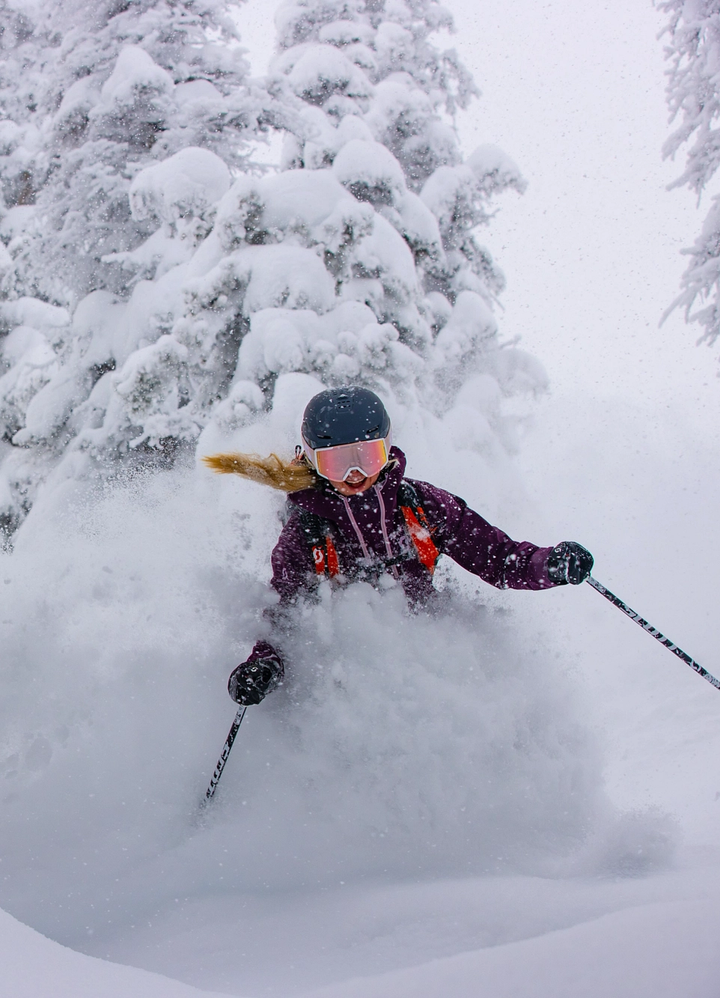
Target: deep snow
{"x": 412, "y": 796}
{"x": 35, "y": 967}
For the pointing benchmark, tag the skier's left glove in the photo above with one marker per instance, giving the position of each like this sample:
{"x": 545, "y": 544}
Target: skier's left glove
{"x": 259, "y": 675}
{"x": 569, "y": 562}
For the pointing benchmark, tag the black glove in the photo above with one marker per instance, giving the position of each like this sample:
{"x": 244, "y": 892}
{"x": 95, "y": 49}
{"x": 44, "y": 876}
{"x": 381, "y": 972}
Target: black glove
{"x": 569, "y": 562}
{"x": 252, "y": 680}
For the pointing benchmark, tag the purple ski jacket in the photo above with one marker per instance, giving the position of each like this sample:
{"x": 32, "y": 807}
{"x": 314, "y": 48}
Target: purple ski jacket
{"x": 371, "y": 538}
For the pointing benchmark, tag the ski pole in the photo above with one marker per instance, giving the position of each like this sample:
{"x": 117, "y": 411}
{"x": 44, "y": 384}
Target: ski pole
{"x": 616, "y": 601}
{"x": 210, "y": 792}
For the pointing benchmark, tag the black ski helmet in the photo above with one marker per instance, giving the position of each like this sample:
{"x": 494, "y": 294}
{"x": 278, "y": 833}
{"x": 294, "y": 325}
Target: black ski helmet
{"x": 344, "y": 416}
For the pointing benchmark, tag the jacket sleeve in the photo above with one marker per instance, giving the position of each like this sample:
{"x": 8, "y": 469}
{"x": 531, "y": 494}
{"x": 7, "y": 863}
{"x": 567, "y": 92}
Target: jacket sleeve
{"x": 292, "y": 562}
{"x": 482, "y": 549}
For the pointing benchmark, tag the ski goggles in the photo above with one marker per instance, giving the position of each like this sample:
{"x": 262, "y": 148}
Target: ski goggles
{"x": 369, "y": 457}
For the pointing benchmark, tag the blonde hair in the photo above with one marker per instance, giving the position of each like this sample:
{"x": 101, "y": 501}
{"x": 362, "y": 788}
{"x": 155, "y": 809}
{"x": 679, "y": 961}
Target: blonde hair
{"x": 287, "y": 476}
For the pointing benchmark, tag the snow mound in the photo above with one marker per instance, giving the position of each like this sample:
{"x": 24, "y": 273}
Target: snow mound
{"x": 134, "y": 77}
{"x": 181, "y": 186}
{"x": 657, "y": 951}
{"x": 36, "y": 967}
{"x": 316, "y": 72}
{"x": 370, "y": 172}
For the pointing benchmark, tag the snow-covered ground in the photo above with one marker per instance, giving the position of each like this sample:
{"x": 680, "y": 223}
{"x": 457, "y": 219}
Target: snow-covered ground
{"x": 34, "y": 967}
{"x": 389, "y": 828}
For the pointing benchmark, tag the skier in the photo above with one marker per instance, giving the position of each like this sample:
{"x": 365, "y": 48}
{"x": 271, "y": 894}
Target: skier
{"x": 354, "y": 516}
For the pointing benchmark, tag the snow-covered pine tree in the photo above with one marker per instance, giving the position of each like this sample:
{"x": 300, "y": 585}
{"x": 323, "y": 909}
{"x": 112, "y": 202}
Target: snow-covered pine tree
{"x": 693, "y": 96}
{"x": 129, "y": 84}
{"x": 94, "y": 94}
{"x": 356, "y": 262}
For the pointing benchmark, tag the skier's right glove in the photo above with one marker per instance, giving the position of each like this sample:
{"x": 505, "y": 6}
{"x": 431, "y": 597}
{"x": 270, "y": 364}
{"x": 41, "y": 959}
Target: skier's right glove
{"x": 569, "y": 562}
{"x": 253, "y": 679}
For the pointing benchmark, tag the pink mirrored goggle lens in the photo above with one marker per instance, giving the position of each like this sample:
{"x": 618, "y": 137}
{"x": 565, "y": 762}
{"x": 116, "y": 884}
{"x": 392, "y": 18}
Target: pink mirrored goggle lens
{"x": 336, "y": 463}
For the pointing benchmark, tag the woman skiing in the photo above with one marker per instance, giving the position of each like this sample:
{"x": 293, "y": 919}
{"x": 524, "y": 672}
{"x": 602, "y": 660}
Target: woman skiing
{"x": 354, "y": 516}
